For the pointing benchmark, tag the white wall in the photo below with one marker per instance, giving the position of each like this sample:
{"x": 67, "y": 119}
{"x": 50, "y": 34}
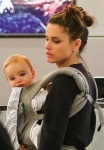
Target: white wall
{"x": 98, "y": 139}
{"x": 34, "y": 49}
{"x": 94, "y": 55}
{"x": 31, "y": 47}
{"x": 96, "y": 9}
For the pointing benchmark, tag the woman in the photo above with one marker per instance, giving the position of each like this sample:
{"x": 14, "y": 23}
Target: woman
{"x": 66, "y": 36}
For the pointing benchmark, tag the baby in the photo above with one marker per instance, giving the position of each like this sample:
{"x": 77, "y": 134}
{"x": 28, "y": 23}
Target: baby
{"x": 19, "y": 74}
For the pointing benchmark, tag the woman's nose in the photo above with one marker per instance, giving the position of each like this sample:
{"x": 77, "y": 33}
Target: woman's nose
{"x": 48, "y": 46}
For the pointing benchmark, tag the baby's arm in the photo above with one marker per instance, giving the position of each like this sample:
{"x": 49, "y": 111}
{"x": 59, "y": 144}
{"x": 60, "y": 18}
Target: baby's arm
{"x": 37, "y": 104}
{"x": 39, "y": 100}
{"x": 11, "y": 115}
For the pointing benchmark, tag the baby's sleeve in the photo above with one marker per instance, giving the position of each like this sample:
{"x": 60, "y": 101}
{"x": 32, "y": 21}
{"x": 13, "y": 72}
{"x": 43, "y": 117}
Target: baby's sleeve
{"x": 39, "y": 100}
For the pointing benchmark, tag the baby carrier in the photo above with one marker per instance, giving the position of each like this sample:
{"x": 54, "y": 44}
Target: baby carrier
{"x": 26, "y": 115}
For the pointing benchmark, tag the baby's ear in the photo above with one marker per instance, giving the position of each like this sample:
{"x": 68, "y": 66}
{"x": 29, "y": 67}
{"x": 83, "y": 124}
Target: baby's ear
{"x": 33, "y": 73}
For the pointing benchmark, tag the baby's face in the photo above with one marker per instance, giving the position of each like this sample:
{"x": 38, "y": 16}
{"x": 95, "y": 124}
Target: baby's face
{"x": 19, "y": 74}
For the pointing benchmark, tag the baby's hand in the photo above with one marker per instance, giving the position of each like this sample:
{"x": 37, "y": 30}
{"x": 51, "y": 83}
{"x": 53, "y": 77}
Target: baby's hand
{"x": 22, "y": 147}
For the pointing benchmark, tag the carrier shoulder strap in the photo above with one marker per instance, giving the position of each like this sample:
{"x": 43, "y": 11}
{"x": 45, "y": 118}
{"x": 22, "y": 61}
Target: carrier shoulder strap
{"x": 80, "y": 81}
{"x": 27, "y": 94}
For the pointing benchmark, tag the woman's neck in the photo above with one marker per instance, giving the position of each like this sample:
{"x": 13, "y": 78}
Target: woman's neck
{"x": 69, "y": 62}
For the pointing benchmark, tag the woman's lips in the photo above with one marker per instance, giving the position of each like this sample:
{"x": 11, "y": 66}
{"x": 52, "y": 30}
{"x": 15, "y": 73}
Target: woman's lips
{"x": 49, "y": 55}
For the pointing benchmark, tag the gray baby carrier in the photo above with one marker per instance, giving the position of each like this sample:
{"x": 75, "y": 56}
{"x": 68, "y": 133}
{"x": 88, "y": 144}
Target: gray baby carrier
{"x": 26, "y": 115}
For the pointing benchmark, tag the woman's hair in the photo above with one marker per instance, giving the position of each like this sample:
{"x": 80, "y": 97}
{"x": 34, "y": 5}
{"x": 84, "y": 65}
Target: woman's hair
{"x": 15, "y": 58}
{"x": 75, "y": 21}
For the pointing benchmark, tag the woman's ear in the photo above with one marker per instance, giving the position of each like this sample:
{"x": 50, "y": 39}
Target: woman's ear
{"x": 77, "y": 44}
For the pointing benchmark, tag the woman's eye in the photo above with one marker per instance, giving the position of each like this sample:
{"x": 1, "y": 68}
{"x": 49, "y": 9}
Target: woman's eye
{"x": 56, "y": 41}
{"x": 46, "y": 39}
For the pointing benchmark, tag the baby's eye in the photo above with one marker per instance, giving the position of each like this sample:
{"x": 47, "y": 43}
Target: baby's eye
{"x": 11, "y": 79}
{"x": 23, "y": 74}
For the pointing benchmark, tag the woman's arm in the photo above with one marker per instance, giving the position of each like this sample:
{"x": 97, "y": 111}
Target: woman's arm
{"x": 57, "y": 109}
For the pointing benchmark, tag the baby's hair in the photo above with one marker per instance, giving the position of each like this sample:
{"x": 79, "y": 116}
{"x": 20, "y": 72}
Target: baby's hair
{"x": 15, "y": 58}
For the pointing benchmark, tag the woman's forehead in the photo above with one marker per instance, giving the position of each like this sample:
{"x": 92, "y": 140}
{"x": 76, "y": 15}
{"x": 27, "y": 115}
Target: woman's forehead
{"x": 55, "y": 30}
